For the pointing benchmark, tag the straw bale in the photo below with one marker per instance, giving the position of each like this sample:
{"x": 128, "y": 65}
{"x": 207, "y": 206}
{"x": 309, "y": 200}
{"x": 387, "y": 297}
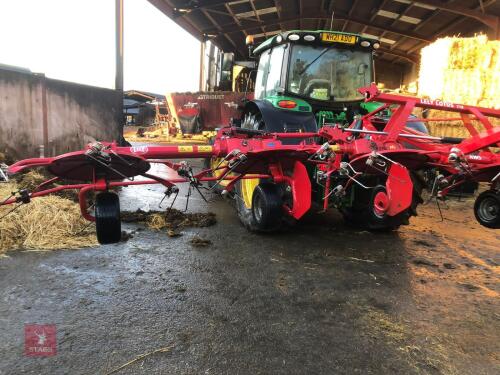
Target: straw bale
{"x": 469, "y": 53}
{"x": 462, "y": 86}
{"x": 463, "y": 70}
{"x": 491, "y": 89}
{"x": 460, "y": 70}
{"x": 494, "y": 47}
{"x": 434, "y": 60}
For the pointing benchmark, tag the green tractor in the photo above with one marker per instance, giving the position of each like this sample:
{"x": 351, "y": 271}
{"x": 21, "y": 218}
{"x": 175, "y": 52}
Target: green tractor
{"x": 305, "y": 79}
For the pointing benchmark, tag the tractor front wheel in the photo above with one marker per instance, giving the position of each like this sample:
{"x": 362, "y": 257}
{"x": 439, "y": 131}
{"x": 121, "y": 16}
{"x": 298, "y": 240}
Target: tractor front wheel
{"x": 487, "y": 209}
{"x": 107, "y": 218}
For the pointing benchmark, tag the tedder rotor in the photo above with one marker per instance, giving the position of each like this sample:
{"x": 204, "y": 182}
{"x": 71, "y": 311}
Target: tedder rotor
{"x": 372, "y": 174}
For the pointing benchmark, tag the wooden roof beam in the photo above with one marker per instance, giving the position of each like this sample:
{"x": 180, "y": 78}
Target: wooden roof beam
{"x": 201, "y": 4}
{"x": 400, "y": 54}
{"x": 449, "y": 27}
{"x": 169, "y": 11}
{"x": 351, "y": 12}
{"x": 374, "y": 14}
{"x": 487, "y": 19}
{"x": 279, "y": 9}
{"x": 422, "y": 24}
{"x": 228, "y": 38}
{"x": 262, "y": 28}
{"x": 227, "y": 30}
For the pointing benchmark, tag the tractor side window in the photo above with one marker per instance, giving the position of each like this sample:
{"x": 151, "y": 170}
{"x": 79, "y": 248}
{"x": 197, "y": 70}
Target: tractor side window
{"x": 274, "y": 76}
{"x": 262, "y": 72}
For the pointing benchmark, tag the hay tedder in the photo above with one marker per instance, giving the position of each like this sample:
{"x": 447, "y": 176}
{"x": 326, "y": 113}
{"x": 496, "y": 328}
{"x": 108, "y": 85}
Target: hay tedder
{"x": 372, "y": 173}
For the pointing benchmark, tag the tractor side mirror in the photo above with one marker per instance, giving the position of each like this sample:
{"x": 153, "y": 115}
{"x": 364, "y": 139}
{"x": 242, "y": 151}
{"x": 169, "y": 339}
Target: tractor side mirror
{"x": 226, "y": 75}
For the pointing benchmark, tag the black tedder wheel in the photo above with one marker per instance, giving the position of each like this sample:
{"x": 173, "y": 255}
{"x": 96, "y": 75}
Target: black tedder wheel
{"x": 107, "y": 218}
{"x": 267, "y": 207}
{"x": 364, "y": 215}
{"x": 487, "y": 209}
{"x": 265, "y": 213}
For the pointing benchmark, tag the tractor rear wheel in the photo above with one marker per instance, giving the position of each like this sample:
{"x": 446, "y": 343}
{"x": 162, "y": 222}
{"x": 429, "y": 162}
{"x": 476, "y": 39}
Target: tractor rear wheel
{"x": 487, "y": 209}
{"x": 107, "y": 218}
{"x": 260, "y": 208}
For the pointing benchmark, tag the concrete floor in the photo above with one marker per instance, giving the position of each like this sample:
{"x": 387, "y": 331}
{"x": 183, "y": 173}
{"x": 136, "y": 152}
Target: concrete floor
{"x": 320, "y": 299}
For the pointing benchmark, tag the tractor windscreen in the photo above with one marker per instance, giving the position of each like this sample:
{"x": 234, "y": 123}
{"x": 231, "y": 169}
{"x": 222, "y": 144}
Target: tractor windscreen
{"x": 326, "y": 73}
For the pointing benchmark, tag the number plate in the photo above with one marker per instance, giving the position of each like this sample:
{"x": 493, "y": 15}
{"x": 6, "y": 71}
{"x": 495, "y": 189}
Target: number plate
{"x": 338, "y": 38}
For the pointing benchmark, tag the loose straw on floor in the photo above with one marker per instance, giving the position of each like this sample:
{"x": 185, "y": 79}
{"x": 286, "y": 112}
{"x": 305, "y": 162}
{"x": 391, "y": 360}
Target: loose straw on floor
{"x": 161, "y": 350}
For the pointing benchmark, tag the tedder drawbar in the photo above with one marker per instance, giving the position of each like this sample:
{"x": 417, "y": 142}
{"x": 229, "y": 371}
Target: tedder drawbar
{"x": 371, "y": 170}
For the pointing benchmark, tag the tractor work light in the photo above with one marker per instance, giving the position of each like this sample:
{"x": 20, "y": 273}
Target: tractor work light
{"x": 376, "y": 45}
{"x": 288, "y": 104}
{"x": 293, "y": 37}
{"x": 365, "y": 43}
{"x": 309, "y": 38}
{"x": 249, "y": 40}
{"x": 279, "y": 39}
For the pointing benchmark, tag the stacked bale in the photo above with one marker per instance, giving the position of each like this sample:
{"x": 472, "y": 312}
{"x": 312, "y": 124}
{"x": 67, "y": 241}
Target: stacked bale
{"x": 460, "y": 70}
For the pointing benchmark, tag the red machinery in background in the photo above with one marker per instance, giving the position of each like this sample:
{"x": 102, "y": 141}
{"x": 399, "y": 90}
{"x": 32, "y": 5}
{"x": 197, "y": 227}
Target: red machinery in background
{"x": 204, "y": 111}
{"x": 373, "y": 175}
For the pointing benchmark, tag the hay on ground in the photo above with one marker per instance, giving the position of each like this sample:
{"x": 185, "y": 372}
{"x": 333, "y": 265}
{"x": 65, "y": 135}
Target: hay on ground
{"x": 55, "y": 222}
{"x": 170, "y": 219}
{"x": 30, "y": 180}
{"x": 200, "y": 242}
{"x": 46, "y": 223}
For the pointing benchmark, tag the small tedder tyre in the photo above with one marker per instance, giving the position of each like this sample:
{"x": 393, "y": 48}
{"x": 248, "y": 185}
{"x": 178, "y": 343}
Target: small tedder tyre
{"x": 377, "y": 219}
{"x": 107, "y": 218}
{"x": 267, "y": 207}
{"x": 487, "y": 209}
{"x": 267, "y": 216}
{"x": 370, "y": 215}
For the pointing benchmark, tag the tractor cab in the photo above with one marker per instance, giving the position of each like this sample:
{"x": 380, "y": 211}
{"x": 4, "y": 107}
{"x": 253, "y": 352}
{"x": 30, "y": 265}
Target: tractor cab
{"x": 311, "y": 74}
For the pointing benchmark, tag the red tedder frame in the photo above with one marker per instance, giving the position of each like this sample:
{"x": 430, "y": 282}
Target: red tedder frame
{"x": 334, "y": 150}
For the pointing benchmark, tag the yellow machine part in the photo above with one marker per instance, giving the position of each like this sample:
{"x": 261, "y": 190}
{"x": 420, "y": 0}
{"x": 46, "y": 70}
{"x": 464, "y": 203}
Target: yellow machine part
{"x": 247, "y": 188}
{"x": 247, "y": 185}
{"x": 214, "y": 162}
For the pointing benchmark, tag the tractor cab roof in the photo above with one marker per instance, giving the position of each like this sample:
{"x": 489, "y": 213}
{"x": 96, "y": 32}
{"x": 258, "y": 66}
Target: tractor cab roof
{"x": 319, "y": 37}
